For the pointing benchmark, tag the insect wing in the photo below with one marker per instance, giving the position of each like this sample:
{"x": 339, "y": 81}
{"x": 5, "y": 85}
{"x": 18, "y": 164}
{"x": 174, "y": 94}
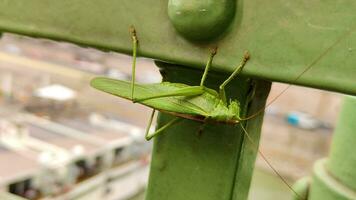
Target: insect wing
{"x": 200, "y": 105}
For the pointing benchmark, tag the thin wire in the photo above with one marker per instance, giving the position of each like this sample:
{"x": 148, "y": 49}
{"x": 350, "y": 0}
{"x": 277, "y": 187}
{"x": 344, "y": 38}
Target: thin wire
{"x": 317, "y": 59}
{"x": 269, "y": 164}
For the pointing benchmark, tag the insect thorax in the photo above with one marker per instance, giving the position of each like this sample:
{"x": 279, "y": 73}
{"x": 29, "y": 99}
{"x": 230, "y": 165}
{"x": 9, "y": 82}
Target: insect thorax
{"x": 223, "y": 112}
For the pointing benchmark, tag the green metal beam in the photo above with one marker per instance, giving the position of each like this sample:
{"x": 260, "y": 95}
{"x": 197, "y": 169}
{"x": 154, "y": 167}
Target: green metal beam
{"x": 194, "y": 161}
{"x": 282, "y": 36}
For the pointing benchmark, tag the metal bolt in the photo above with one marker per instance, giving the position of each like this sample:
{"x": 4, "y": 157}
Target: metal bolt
{"x": 201, "y": 20}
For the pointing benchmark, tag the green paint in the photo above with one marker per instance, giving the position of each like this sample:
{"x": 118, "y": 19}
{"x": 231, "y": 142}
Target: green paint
{"x": 264, "y": 186}
{"x": 326, "y": 187}
{"x": 335, "y": 178}
{"x": 282, "y": 36}
{"x": 301, "y": 187}
{"x": 342, "y": 161}
{"x": 201, "y": 20}
{"x": 267, "y": 186}
{"x": 209, "y": 162}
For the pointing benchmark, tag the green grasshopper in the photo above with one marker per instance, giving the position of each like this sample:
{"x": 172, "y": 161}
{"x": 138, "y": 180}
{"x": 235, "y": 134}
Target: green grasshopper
{"x": 198, "y": 103}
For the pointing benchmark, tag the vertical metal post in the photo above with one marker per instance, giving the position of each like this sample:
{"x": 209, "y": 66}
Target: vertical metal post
{"x": 334, "y": 178}
{"x": 193, "y": 161}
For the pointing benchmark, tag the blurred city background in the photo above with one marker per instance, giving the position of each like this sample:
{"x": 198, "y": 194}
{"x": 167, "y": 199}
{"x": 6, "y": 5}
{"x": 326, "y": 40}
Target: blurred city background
{"x": 61, "y": 139}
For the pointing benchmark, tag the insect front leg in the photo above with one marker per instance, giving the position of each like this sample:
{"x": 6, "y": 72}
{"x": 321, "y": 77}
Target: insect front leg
{"x": 208, "y": 65}
{"x": 134, "y": 55}
{"x": 232, "y": 76}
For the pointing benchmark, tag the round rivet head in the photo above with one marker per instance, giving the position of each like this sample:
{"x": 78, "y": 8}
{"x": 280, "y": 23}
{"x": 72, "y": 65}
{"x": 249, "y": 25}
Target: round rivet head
{"x": 201, "y": 20}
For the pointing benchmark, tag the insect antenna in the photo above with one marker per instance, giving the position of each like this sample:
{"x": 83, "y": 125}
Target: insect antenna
{"x": 134, "y": 54}
{"x": 316, "y": 60}
{"x": 269, "y": 163}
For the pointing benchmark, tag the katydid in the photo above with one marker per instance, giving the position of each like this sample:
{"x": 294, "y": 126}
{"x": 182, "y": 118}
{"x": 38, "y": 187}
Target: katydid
{"x": 184, "y": 101}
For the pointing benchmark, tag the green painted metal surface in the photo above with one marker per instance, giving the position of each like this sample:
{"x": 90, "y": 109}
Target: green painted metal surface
{"x": 342, "y": 163}
{"x": 326, "y": 187}
{"x": 301, "y": 187}
{"x": 335, "y": 178}
{"x": 201, "y": 20}
{"x": 191, "y": 161}
{"x": 282, "y": 36}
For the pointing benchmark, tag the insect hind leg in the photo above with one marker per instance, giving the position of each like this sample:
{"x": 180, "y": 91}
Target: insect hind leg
{"x": 187, "y": 91}
{"x": 233, "y": 75}
{"x": 149, "y": 124}
{"x": 149, "y": 135}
